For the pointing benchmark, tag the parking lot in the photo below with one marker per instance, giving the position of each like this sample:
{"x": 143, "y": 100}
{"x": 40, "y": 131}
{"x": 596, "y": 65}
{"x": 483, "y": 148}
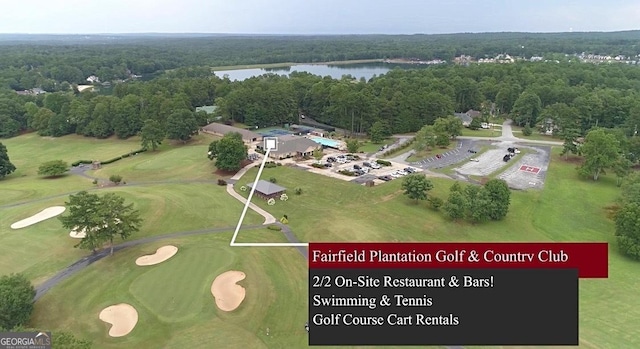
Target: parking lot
{"x": 373, "y": 174}
{"x": 530, "y": 171}
{"x": 450, "y": 157}
{"x": 524, "y": 173}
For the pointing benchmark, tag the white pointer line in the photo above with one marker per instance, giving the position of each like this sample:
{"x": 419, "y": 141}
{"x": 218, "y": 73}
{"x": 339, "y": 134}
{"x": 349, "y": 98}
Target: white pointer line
{"x": 244, "y": 212}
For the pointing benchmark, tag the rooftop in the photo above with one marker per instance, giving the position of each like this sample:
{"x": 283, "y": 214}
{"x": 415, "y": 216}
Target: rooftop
{"x": 267, "y": 188}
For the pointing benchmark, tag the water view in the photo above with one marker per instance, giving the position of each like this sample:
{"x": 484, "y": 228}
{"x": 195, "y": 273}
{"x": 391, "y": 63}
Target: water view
{"x": 357, "y": 70}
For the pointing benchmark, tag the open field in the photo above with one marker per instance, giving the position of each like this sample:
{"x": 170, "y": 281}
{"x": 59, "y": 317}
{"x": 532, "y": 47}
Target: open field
{"x": 29, "y": 151}
{"x": 370, "y": 147}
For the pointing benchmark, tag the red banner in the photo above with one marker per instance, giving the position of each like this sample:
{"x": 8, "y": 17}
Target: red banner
{"x": 591, "y": 259}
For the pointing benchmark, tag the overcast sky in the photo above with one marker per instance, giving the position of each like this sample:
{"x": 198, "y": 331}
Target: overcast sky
{"x": 316, "y": 17}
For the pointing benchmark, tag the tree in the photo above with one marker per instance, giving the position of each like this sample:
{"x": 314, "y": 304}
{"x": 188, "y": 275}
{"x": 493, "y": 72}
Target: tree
{"x": 416, "y": 186}
{"x": 53, "y": 168}
{"x": 379, "y": 131}
{"x": 16, "y": 300}
{"x": 628, "y": 230}
{"x": 600, "y": 150}
{"x": 527, "y": 109}
{"x": 442, "y": 140}
{"x": 115, "y": 179}
{"x": 6, "y": 167}
{"x": 456, "y": 205}
{"x": 570, "y": 145}
{"x": 475, "y": 123}
{"x": 353, "y": 145}
{"x": 499, "y": 196}
{"x": 451, "y": 126}
{"x": 101, "y": 218}
{"x": 229, "y": 152}
{"x": 425, "y": 138}
{"x": 181, "y": 125}
{"x": 527, "y": 131}
{"x": 621, "y": 167}
{"x": 317, "y": 154}
{"x": 152, "y": 134}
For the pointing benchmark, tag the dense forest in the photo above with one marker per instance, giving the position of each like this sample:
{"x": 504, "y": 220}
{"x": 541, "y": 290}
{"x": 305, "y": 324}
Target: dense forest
{"x": 574, "y": 95}
{"x": 567, "y": 95}
{"x": 52, "y": 62}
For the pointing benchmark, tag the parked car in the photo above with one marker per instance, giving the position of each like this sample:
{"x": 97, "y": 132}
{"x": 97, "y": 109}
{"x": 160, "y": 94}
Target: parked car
{"x": 375, "y": 165}
{"x": 385, "y": 178}
{"x": 328, "y": 165}
{"x": 357, "y": 167}
{"x": 403, "y": 173}
{"x": 410, "y": 170}
{"x": 366, "y": 164}
{"x": 474, "y": 159}
{"x": 472, "y": 151}
{"x": 365, "y": 169}
{"x": 331, "y": 159}
{"x": 506, "y": 158}
{"x": 438, "y": 156}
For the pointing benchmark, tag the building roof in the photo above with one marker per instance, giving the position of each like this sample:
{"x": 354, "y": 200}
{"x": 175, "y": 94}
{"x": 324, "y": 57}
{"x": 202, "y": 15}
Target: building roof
{"x": 473, "y": 113}
{"x": 463, "y": 116}
{"x": 267, "y": 188}
{"x": 219, "y": 128}
{"x": 294, "y": 144}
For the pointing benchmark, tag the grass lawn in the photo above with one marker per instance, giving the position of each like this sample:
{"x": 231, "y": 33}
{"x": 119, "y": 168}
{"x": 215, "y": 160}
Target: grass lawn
{"x": 44, "y": 248}
{"x": 174, "y": 302}
{"x": 535, "y": 135}
{"x": 497, "y": 132}
{"x": 423, "y": 154}
{"x": 28, "y": 152}
{"x": 370, "y": 147}
{"x": 184, "y": 162}
{"x": 568, "y": 209}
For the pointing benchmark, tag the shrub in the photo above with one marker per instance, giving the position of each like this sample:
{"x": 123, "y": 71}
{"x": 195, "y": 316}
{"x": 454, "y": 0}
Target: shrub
{"x": 270, "y": 164}
{"x": 273, "y": 180}
{"x": 222, "y": 182}
{"x": 77, "y": 163}
{"x": 347, "y": 173}
{"x": 298, "y": 191}
{"x": 526, "y": 131}
{"x": 111, "y": 160}
{"x": 279, "y": 164}
{"x": 435, "y": 202}
{"x": 116, "y": 179}
{"x": 383, "y": 162}
{"x": 316, "y": 165}
{"x": 95, "y": 181}
{"x": 274, "y": 227}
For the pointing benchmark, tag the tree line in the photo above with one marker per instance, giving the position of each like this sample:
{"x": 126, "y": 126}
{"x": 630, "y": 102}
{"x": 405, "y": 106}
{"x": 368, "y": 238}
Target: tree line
{"x": 565, "y": 97}
{"x": 50, "y": 61}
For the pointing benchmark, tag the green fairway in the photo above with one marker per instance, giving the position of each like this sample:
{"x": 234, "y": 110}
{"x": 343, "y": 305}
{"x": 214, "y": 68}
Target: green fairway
{"x": 29, "y": 151}
{"x": 174, "y": 301}
{"x": 183, "y": 162}
{"x": 42, "y": 249}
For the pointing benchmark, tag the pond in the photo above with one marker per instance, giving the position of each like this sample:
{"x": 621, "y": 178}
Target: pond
{"x": 356, "y": 70}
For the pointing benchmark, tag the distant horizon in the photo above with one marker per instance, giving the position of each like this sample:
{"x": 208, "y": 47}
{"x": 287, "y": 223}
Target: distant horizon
{"x": 319, "y": 34}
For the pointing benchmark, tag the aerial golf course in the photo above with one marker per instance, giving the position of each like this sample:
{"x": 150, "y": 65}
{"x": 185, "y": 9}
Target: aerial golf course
{"x": 168, "y": 298}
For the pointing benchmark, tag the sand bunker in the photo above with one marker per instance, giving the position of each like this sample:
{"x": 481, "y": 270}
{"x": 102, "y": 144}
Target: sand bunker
{"x": 78, "y": 234}
{"x": 161, "y": 255}
{"x": 122, "y": 317}
{"x": 39, "y": 217}
{"x": 227, "y": 293}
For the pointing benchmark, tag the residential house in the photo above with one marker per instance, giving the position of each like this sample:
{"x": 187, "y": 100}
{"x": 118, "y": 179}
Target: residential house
{"x": 465, "y": 118}
{"x": 93, "y": 79}
{"x": 222, "y": 129}
{"x": 292, "y": 146}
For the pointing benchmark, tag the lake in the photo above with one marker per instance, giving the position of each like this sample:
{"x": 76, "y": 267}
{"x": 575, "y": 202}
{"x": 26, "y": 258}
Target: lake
{"x": 357, "y": 70}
